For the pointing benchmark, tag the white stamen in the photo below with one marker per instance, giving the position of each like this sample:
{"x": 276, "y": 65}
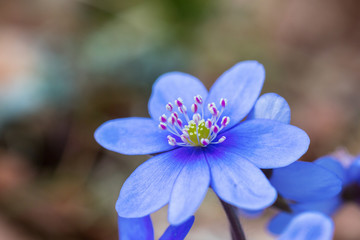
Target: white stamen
{"x": 179, "y": 102}
{"x": 225, "y": 121}
{"x": 169, "y": 107}
{"x": 162, "y": 126}
{"x": 179, "y": 122}
{"x": 198, "y": 99}
{"x": 163, "y": 118}
{"x": 194, "y": 108}
{"x": 223, "y": 102}
{"x": 215, "y": 128}
{"x": 222, "y": 139}
{"x": 196, "y": 118}
{"x": 171, "y": 140}
{"x": 208, "y": 124}
{"x": 204, "y": 141}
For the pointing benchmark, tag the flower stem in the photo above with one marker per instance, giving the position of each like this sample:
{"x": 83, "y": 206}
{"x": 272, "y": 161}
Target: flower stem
{"x": 237, "y": 232}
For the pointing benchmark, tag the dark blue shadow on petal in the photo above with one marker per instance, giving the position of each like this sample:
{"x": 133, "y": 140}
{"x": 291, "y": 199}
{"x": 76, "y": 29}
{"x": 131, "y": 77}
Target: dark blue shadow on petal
{"x": 135, "y": 228}
{"x": 178, "y": 232}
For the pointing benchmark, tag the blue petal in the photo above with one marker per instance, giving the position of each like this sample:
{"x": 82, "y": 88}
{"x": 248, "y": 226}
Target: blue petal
{"x": 241, "y": 85}
{"x": 353, "y": 172}
{"x": 149, "y": 187}
{"x": 171, "y": 86}
{"x": 309, "y": 226}
{"x": 132, "y": 136}
{"x": 304, "y": 181}
{"x": 271, "y": 106}
{"x": 328, "y": 207}
{"x": 190, "y": 187}
{"x": 135, "y": 228}
{"x": 237, "y": 181}
{"x": 178, "y": 232}
{"x": 332, "y": 165}
{"x": 267, "y": 143}
{"x": 278, "y": 223}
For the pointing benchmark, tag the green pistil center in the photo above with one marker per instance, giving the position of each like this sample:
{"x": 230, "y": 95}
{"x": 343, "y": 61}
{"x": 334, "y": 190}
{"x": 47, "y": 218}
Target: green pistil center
{"x": 202, "y": 132}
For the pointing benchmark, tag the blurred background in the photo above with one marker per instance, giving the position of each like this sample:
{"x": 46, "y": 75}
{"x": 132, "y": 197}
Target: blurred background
{"x": 67, "y": 66}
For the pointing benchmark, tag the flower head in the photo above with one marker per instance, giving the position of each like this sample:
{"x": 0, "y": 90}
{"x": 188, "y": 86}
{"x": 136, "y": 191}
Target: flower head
{"x": 201, "y": 147}
{"x": 349, "y": 174}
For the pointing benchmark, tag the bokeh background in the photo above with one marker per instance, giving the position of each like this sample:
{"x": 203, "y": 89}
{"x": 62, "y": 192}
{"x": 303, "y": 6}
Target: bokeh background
{"x": 67, "y": 66}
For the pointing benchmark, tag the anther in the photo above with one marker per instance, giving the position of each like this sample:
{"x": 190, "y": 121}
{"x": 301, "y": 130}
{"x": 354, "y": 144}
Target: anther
{"x": 222, "y": 139}
{"x": 179, "y": 122}
{"x": 184, "y": 138}
{"x": 169, "y": 107}
{"x": 185, "y": 133}
{"x": 208, "y": 124}
{"x": 213, "y": 110}
{"x": 176, "y": 116}
{"x": 194, "y": 108}
{"x": 225, "y": 121}
{"x": 171, "y": 120}
{"x": 162, "y": 126}
{"x": 223, "y": 102}
{"x": 179, "y": 102}
{"x": 163, "y": 118}
{"x": 182, "y": 109}
{"x": 215, "y": 129}
{"x": 196, "y": 118}
{"x": 204, "y": 141}
{"x": 198, "y": 99}
{"x": 171, "y": 140}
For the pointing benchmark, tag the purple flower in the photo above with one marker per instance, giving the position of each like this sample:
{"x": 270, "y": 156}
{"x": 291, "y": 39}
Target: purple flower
{"x": 142, "y": 229}
{"x": 309, "y": 226}
{"x": 209, "y": 147}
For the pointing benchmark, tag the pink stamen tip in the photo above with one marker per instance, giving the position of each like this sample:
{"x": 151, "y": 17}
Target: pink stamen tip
{"x": 215, "y": 129}
{"x": 223, "y": 102}
{"x": 210, "y": 105}
{"x": 204, "y": 141}
{"x": 179, "y": 102}
{"x": 162, "y": 126}
{"x": 194, "y": 108}
{"x": 222, "y": 139}
{"x": 171, "y": 120}
{"x": 198, "y": 99}
{"x": 196, "y": 118}
{"x": 175, "y": 115}
{"x": 185, "y": 133}
{"x": 169, "y": 107}
{"x": 214, "y": 111}
{"x": 179, "y": 122}
{"x": 184, "y": 138}
{"x": 163, "y": 118}
{"x": 225, "y": 121}
{"x": 171, "y": 140}
{"x": 208, "y": 124}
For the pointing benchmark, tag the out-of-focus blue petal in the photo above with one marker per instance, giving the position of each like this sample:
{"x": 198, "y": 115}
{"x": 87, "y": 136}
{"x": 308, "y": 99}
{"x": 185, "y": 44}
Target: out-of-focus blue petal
{"x": 304, "y": 181}
{"x": 327, "y": 207}
{"x": 237, "y": 181}
{"x": 149, "y": 187}
{"x": 170, "y": 86}
{"x": 132, "y": 136}
{"x": 241, "y": 85}
{"x": 190, "y": 187}
{"x": 135, "y": 228}
{"x": 333, "y": 165}
{"x": 278, "y": 223}
{"x": 271, "y": 106}
{"x": 353, "y": 172}
{"x": 309, "y": 226}
{"x": 178, "y": 232}
{"x": 267, "y": 143}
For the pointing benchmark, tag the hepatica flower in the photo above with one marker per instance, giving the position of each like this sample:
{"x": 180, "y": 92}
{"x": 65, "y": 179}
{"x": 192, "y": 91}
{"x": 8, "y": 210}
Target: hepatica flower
{"x": 200, "y": 140}
{"x": 349, "y": 175}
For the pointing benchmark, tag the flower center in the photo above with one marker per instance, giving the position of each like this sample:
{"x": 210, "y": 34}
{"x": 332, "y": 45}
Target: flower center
{"x": 197, "y": 131}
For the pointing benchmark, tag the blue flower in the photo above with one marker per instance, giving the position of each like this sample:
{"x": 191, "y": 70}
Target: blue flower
{"x": 204, "y": 150}
{"x": 309, "y": 226}
{"x": 350, "y": 179}
{"x": 142, "y": 229}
